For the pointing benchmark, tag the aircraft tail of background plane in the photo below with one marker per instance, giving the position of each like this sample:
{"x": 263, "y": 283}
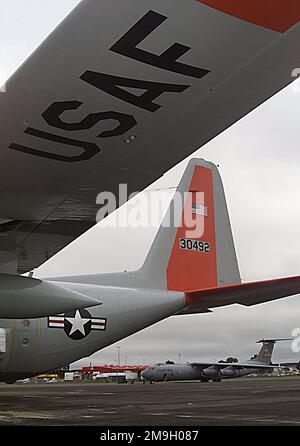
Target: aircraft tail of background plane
{"x": 194, "y": 247}
{"x": 265, "y": 353}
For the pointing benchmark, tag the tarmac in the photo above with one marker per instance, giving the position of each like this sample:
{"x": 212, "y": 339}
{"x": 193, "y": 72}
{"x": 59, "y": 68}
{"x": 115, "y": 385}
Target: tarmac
{"x": 237, "y": 402}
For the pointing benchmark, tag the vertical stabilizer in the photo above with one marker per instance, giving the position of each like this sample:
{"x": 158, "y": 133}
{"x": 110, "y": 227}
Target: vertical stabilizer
{"x": 199, "y": 252}
{"x": 266, "y": 351}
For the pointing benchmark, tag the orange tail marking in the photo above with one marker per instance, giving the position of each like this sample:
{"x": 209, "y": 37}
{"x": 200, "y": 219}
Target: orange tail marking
{"x": 277, "y": 15}
{"x": 192, "y": 268}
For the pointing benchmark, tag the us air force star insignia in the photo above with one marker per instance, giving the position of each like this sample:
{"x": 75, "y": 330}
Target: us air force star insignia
{"x": 77, "y": 324}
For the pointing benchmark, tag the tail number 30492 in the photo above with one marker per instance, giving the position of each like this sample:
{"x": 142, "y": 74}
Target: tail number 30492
{"x": 194, "y": 245}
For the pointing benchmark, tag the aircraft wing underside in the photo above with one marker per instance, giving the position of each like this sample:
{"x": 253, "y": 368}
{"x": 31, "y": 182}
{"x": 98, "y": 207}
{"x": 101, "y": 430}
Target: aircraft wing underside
{"x": 121, "y": 92}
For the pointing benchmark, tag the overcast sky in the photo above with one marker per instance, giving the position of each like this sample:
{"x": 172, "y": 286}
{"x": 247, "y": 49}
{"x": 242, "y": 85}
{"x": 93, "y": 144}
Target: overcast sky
{"x": 259, "y": 161}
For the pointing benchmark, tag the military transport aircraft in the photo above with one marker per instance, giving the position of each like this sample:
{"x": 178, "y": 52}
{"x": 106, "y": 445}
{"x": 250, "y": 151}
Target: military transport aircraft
{"x": 215, "y": 371}
{"x": 119, "y": 93}
{"x": 185, "y": 272}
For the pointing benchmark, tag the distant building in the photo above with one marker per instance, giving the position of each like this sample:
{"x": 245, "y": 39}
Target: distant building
{"x": 111, "y": 373}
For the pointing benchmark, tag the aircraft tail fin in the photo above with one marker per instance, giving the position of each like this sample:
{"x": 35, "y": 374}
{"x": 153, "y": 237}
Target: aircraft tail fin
{"x": 193, "y": 251}
{"x": 266, "y": 351}
{"x": 194, "y": 246}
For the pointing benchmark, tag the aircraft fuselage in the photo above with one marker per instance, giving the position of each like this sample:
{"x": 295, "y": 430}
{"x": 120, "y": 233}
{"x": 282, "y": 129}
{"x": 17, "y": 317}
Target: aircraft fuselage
{"x": 34, "y": 346}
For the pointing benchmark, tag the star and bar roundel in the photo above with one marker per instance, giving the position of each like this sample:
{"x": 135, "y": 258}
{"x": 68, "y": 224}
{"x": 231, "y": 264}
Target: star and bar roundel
{"x": 77, "y": 324}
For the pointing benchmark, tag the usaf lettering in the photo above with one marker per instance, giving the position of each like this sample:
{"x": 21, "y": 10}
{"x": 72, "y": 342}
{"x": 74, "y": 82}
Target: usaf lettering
{"x": 115, "y": 86}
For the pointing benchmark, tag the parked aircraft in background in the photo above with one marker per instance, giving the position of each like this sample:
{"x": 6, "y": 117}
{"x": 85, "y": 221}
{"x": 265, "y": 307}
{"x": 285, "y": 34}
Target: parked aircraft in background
{"x": 215, "y": 371}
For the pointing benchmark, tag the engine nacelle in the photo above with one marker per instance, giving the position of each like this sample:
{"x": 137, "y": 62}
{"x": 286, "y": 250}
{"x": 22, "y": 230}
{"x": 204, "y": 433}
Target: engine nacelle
{"x": 229, "y": 372}
{"x": 25, "y": 297}
{"x": 211, "y": 371}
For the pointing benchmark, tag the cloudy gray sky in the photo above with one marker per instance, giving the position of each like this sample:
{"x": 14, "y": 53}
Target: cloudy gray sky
{"x": 259, "y": 161}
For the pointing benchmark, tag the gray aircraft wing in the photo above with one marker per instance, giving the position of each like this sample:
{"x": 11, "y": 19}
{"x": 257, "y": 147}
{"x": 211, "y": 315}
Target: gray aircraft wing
{"x": 120, "y": 92}
{"x": 237, "y": 365}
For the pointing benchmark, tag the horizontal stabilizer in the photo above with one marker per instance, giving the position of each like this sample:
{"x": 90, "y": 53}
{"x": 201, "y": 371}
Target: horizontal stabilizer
{"x": 265, "y": 341}
{"x": 251, "y": 293}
